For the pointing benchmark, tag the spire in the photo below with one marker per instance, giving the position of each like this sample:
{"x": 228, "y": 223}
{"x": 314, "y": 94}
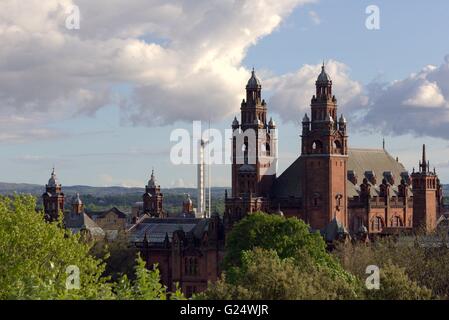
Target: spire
{"x": 77, "y": 199}
{"x": 323, "y": 76}
{"x": 253, "y": 82}
{"x": 53, "y": 181}
{"x": 152, "y": 182}
{"x": 424, "y": 163}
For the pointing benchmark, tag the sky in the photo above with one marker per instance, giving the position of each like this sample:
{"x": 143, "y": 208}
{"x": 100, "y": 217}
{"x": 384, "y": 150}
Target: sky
{"x": 100, "y": 99}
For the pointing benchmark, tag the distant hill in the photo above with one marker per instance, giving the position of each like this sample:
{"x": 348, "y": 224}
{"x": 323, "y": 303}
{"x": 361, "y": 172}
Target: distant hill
{"x": 101, "y": 198}
{"x": 37, "y": 190}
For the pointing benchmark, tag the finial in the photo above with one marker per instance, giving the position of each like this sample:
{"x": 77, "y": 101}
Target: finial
{"x": 424, "y": 163}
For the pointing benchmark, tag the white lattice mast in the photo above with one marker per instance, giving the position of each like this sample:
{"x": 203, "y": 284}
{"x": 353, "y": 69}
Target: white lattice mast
{"x": 209, "y": 164}
{"x": 200, "y": 186}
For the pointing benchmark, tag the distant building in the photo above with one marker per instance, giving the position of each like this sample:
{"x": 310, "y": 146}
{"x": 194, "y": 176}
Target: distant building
{"x": 112, "y": 221}
{"x": 339, "y": 191}
{"x": 153, "y": 199}
{"x": 53, "y": 198}
{"x": 187, "y": 208}
{"x": 77, "y": 221}
{"x": 187, "y": 251}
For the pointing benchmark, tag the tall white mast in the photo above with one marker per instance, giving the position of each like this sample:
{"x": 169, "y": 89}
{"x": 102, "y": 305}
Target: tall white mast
{"x": 209, "y": 173}
{"x": 200, "y": 186}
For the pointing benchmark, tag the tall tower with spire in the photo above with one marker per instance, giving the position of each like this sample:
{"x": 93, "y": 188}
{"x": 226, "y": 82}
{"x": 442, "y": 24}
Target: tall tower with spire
{"x": 324, "y": 156}
{"x": 153, "y": 198}
{"x": 77, "y": 205}
{"x": 53, "y": 198}
{"x": 254, "y": 147}
{"x": 254, "y": 156}
{"x": 426, "y": 199}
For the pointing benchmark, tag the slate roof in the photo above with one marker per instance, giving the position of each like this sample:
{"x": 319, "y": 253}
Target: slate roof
{"x": 157, "y": 229}
{"x": 96, "y": 214}
{"x": 360, "y": 160}
{"x": 377, "y": 161}
{"x": 78, "y": 222}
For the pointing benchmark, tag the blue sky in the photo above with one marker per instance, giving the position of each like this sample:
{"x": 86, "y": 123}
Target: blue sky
{"x": 117, "y": 141}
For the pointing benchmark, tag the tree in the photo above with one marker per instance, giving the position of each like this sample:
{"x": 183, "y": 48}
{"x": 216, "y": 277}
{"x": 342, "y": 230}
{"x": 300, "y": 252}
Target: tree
{"x": 264, "y": 275}
{"x": 35, "y": 257}
{"x": 286, "y": 236}
{"x": 426, "y": 265}
{"x": 146, "y": 286}
{"x": 396, "y": 285}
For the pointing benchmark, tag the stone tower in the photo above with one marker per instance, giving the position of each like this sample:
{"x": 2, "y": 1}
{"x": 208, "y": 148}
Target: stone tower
{"x": 53, "y": 198}
{"x": 187, "y": 206}
{"x": 426, "y": 196}
{"x": 152, "y": 198}
{"x": 254, "y": 145}
{"x": 77, "y": 205}
{"x": 324, "y": 155}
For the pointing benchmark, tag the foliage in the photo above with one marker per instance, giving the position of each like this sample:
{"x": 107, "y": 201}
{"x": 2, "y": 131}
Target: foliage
{"x": 118, "y": 255}
{"x": 146, "y": 285}
{"x": 34, "y": 256}
{"x": 286, "y": 236}
{"x": 426, "y": 266}
{"x": 396, "y": 285}
{"x": 264, "y": 275}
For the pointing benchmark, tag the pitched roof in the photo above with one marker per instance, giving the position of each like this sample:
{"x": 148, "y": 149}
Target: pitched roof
{"x": 96, "y": 214}
{"x": 156, "y": 229}
{"x": 360, "y": 161}
{"x": 377, "y": 161}
{"x": 77, "y": 222}
{"x": 288, "y": 184}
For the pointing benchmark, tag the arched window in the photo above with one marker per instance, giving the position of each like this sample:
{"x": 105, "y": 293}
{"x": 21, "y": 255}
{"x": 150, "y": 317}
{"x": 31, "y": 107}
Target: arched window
{"x": 377, "y": 224}
{"x": 245, "y": 150}
{"x": 317, "y": 146}
{"x": 337, "y": 146}
{"x": 316, "y": 200}
{"x": 267, "y": 149}
{"x": 396, "y": 222}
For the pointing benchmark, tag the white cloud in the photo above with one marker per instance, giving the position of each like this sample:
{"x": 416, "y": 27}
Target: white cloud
{"x": 416, "y": 105}
{"x": 292, "y": 92}
{"x": 182, "y": 59}
{"x": 426, "y": 95}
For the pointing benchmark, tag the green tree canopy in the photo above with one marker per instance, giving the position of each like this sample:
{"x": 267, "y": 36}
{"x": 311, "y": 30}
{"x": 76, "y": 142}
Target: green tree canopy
{"x": 286, "y": 236}
{"x": 264, "y": 275}
{"x": 35, "y": 255}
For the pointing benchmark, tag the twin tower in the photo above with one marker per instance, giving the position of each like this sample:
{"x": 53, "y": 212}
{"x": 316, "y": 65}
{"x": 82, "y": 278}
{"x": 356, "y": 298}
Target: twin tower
{"x": 328, "y": 185}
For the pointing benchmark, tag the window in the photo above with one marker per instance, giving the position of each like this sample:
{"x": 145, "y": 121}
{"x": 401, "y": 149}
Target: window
{"x": 267, "y": 149}
{"x": 316, "y": 200}
{"x": 358, "y": 223}
{"x": 191, "y": 266}
{"x": 396, "y": 222}
{"x": 377, "y": 224}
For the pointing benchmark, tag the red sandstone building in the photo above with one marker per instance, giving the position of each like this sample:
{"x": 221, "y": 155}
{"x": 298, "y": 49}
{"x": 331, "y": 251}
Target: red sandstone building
{"x": 188, "y": 251}
{"x": 337, "y": 190}
{"x": 341, "y": 192}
